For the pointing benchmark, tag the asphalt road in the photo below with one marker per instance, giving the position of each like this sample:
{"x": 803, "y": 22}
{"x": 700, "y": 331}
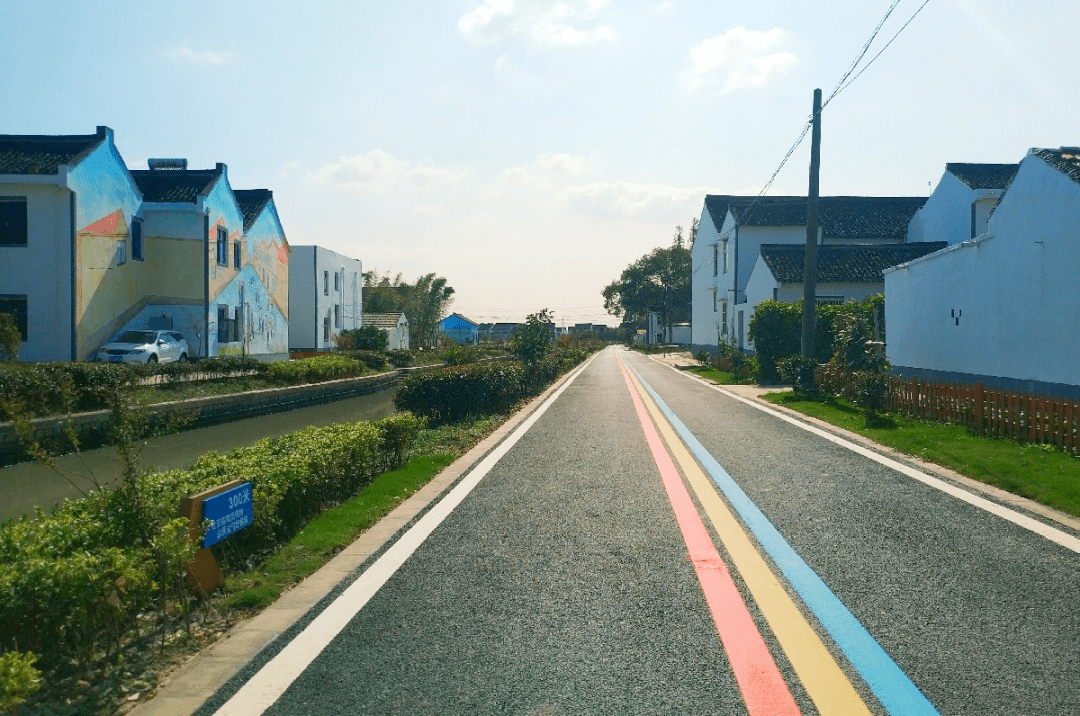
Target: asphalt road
{"x": 588, "y": 569}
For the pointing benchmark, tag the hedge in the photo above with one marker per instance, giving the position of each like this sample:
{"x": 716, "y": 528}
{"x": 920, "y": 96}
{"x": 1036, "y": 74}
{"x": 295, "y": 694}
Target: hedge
{"x": 74, "y": 581}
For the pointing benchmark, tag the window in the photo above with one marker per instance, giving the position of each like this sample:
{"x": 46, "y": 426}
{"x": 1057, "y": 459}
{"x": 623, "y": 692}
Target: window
{"x": 326, "y": 328}
{"x": 16, "y": 306}
{"x": 236, "y": 255}
{"x": 723, "y": 317}
{"x": 714, "y": 301}
{"x": 828, "y": 300}
{"x": 337, "y": 314}
{"x": 136, "y": 240}
{"x": 12, "y": 221}
{"x": 723, "y": 252}
{"x": 337, "y": 278}
{"x": 228, "y": 327}
{"x": 326, "y": 283}
{"x": 222, "y": 246}
{"x": 121, "y": 252}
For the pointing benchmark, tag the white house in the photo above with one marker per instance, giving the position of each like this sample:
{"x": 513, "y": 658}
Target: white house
{"x": 960, "y": 206}
{"x": 395, "y": 325}
{"x": 70, "y": 241}
{"x": 732, "y": 230}
{"x": 325, "y": 297}
{"x": 1003, "y": 307}
{"x": 844, "y": 273}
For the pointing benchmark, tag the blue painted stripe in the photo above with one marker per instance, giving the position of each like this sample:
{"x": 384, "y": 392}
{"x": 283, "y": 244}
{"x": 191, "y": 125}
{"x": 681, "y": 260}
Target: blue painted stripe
{"x": 890, "y": 684}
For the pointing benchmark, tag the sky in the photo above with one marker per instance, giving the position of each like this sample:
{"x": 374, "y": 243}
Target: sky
{"x": 530, "y": 150}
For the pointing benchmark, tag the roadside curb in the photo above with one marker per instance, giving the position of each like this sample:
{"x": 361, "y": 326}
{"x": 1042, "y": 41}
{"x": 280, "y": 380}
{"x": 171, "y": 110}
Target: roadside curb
{"x": 996, "y": 493}
{"x": 186, "y": 689}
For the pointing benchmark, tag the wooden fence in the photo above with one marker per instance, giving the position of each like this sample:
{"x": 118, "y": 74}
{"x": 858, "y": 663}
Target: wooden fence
{"x": 987, "y": 411}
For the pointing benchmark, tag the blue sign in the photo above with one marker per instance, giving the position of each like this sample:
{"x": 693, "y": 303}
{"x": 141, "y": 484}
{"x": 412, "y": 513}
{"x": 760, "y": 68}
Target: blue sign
{"x": 229, "y": 512}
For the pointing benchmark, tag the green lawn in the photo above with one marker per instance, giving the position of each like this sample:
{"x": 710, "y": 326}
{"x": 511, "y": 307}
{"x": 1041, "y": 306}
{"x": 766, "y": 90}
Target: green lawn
{"x": 1039, "y": 472}
{"x": 717, "y": 376}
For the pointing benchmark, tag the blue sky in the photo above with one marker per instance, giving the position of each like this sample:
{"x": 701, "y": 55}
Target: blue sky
{"x": 528, "y": 150}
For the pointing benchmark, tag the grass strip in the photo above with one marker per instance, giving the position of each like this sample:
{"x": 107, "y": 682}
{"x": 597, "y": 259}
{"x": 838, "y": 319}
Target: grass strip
{"x": 716, "y": 376}
{"x": 327, "y": 534}
{"x": 1043, "y": 473}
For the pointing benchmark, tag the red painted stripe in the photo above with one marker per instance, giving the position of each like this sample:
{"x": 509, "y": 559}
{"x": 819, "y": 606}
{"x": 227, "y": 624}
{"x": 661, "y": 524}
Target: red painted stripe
{"x": 763, "y": 688}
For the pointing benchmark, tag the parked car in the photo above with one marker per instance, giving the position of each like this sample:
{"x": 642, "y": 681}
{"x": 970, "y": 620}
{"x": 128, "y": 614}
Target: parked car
{"x": 145, "y": 347}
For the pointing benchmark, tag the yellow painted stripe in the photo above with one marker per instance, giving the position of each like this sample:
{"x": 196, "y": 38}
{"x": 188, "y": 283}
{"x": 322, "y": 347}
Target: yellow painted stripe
{"x": 824, "y": 681}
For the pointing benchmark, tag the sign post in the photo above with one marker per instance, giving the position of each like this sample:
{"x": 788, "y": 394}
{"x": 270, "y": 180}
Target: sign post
{"x": 229, "y": 509}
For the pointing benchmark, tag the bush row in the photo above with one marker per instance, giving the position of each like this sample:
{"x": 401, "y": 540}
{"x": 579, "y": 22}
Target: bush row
{"x": 73, "y": 581}
{"x": 40, "y": 389}
{"x": 454, "y": 393}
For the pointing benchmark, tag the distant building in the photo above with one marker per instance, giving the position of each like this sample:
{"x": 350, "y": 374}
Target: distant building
{"x": 325, "y": 297}
{"x": 395, "y": 325}
{"x": 460, "y": 329}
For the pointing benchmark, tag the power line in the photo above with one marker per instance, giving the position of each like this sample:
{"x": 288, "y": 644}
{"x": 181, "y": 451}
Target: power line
{"x": 841, "y": 85}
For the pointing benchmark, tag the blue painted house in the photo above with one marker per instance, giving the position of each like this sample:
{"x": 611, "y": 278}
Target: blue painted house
{"x": 460, "y": 329}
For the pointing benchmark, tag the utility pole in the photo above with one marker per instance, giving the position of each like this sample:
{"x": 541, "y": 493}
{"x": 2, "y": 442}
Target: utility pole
{"x": 809, "y": 307}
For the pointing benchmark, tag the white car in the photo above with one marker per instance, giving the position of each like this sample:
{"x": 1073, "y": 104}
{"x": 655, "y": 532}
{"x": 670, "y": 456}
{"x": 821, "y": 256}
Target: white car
{"x": 145, "y": 347}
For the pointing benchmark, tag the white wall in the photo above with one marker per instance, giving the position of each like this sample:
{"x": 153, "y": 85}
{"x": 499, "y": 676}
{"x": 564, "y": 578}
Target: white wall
{"x": 1004, "y": 305}
{"x": 315, "y": 296}
{"x": 704, "y": 322}
{"x": 42, "y": 270}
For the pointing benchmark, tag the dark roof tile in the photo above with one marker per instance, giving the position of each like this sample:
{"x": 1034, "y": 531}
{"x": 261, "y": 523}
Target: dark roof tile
{"x": 843, "y": 264}
{"x": 251, "y": 203}
{"x": 43, "y": 154}
{"x": 1066, "y": 160}
{"x": 175, "y": 185}
{"x": 983, "y": 176}
{"x": 840, "y": 217}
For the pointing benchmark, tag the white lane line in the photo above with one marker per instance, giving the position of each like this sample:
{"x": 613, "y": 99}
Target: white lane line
{"x": 270, "y": 682}
{"x": 1053, "y": 534}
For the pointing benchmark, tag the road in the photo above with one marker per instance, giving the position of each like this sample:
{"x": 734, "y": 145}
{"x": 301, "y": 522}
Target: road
{"x": 647, "y": 544}
{"x": 26, "y": 485}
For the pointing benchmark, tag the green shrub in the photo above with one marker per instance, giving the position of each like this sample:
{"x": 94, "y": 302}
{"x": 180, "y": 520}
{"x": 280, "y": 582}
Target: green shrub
{"x": 461, "y": 355}
{"x": 10, "y": 338}
{"x": 798, "y": 372}
{"x": 18, "y": 679}
{"x": 373, "y": 359}
{"x": 400, "y": 358}
{"x": 314, "y": 370}
{"x": 399, "y": 433}
{"x": 451, "y": 394}
{"x": 368, "y": 338}
{"x": 30, "y": 390}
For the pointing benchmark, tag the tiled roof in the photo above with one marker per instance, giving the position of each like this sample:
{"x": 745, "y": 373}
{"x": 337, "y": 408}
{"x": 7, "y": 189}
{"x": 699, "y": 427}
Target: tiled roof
{"x": 840, "y": 217}
{"x": 43, "y": 154}
{"x": 381, "y": 320}
{"x": 175, "y": 185}
{"x": 251, "y": 202}
{"x": 843, "y": 264}
{"x": 983, "y": 176}
{"x": 1066, "y": 160}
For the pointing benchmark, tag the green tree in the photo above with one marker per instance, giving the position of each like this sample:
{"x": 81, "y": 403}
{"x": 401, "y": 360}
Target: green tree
{"x": 532, "y": 340}
{"x": 10, "y": 338}
{"x": 424, "y": 302}
{"x": 658, "y": 281}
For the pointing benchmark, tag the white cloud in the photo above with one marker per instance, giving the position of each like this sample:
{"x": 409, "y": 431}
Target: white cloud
{"x": 548, "y": 171}
{"x": 740, "y": 58}
{"x": 624, "y": 199}
{"x": 190, "y": 56}
{"x": 546, "y": 22}
{"x": 378, "y": 171}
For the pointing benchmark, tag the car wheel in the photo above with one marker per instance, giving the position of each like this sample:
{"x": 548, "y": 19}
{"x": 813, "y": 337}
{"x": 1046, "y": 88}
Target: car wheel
{"x": 151, "y": 360}
{"x": 182, "y": 358}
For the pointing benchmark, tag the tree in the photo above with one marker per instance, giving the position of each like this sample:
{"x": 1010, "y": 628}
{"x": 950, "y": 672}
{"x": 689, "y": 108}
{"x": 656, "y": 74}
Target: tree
{"x": 424, "y": 303}
{"x": 532, "y": 340}
{"x": 657, "y": 282}
{"x": 10, "y": 338}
